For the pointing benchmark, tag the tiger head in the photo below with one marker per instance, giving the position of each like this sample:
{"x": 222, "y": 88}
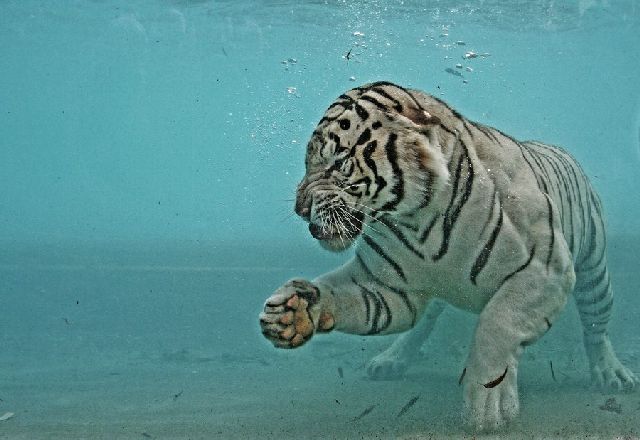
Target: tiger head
{"x": 375, "y": 151}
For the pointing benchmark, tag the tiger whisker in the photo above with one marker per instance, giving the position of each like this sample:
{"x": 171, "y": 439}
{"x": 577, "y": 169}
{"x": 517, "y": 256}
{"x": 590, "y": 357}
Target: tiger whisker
{"x": 333, "y": 214}
{"x": 363, "y": 232}
{"x": 287, "y": 217}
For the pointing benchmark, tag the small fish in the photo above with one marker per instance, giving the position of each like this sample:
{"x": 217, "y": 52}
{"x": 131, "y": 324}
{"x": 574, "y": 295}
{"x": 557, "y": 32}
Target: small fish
{"x": 147, "y": 435}
{"x": 340, "y": 373}
{"x": 453, "y": 72}
{"x": 408, "y": 405}
{"x": 553, "y": 375}
{"x": 226, "y": 55}
{"x": 364, "y": 413}
{"x": 175, "y": 396}
{"x": 66, "y": 321}
{"x": 495, "y": 382}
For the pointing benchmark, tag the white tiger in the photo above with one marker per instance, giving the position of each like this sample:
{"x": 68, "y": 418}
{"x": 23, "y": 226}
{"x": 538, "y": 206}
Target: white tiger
{"x": 451, "y": 209}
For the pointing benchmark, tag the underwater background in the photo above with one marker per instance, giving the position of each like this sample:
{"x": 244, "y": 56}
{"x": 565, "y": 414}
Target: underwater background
{"x": 149, "y": 154}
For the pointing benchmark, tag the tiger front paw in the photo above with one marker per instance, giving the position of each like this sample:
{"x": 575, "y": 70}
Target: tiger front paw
{"x": 292, "y": 315}
{"x": 490, "y": 401}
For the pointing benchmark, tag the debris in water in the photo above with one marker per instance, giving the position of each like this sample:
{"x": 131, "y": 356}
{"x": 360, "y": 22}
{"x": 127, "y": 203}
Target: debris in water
{"x": 553, "y": 375}
{"x": 292, "y": 90}
{"x": 364, "y": 413}
{"x": 464, "y": 371}
{"x": 468, "y": 69}
{"x": 461, "y": 43}
{"x": 352, "y": 78}
{"x": 358, "y": 34}
{"x": 340, "y": 373}
{"x": 458, "y": 66}
{"x": 347, "y": 56}
{"x": 408, "y": 405}
{"x": 8, "y": 415}
{"x": 611, "y": 405}
{"x": 470, "y": 54}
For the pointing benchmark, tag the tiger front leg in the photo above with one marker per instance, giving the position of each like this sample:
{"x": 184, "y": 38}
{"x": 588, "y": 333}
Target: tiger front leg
{"x": 519, "y": 313}
{"x": 345, "y": 300}
{"x": 295, "y": 312}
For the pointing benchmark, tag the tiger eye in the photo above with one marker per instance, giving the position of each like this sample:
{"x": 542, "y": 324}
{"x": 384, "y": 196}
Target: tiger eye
{"x": 345, "y": 124}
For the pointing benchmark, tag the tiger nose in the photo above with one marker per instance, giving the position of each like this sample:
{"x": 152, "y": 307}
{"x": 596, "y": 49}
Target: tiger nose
{"x": 303, "y": 207}
{"x": 315, "y": 230}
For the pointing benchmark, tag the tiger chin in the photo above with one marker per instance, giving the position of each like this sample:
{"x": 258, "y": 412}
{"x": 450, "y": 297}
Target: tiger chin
{"x": 440, "y": 210}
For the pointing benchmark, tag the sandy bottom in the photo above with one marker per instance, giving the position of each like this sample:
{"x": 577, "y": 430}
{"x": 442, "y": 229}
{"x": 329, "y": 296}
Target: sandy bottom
{"x": 236, "y": 396}
{"x": 114, "y": 353}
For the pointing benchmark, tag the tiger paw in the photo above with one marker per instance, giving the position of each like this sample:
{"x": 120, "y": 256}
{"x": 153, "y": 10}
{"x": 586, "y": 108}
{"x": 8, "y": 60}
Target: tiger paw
{"x": 490, "y": 403}
{"x": 292, "y": 315}
{"x": 607, "y": 372}
{"x": 387, "y": 366}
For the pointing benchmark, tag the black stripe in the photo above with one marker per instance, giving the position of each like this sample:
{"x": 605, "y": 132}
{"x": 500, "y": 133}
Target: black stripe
{"x": 401, "y": 293}
{"x": 558, "y": 166}
{"x": 375, "y": 102}
{"x": 482, "y": 259}
{"x": 368, "y": 160}
{"x": 396, "y": 104}
{"x": 585, "y": 300}
{"x": 364, "y": 137}
{"x": 542, "y": 186}
{"x": 453, "y": 111}
{"x": 490, "y": 216}
{"x": 592, "y": 244}
{"x": 452, "y": 214}
{"x": 370, "y": 296}
{"x": 398, "y": 186}
{"x": 487, "y": 131}
{"x": 379, "y": 302}
{"x": 367, "y": 305}
{"x": 519, "y": 269}
{"x": 533, "y": 171}
{"x": 400, "y": 236}
{"x": 376, "y": 247}
{"x": 427, "y": 231}
{"x": 601, "y": 311}
{"x": 360, "y": 110}
{"x": 551, "y": 229}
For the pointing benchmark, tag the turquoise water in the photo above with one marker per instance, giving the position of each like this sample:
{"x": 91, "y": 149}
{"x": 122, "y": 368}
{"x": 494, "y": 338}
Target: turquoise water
{"x": 149, "y": 154}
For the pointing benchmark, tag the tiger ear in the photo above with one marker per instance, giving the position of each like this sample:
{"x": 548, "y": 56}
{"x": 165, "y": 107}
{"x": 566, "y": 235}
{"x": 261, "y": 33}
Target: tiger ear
{"x": 421, "y": 117}
{"x": 413, "y": 119}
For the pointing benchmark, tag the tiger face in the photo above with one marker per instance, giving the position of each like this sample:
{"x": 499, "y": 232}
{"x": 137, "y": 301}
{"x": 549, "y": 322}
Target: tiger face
{"x": 367, "y": 157}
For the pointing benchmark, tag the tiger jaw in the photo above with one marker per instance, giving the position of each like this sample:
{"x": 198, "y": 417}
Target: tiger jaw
{"x": 338, "y": 234}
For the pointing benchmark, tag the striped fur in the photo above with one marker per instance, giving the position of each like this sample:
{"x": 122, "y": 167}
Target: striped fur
{"x": 449, "y": 208}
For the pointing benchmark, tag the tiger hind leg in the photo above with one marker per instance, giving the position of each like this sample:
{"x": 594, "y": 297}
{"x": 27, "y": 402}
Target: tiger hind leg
{"x": 395, "y": 360}
{"x": 594, "y": 299}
